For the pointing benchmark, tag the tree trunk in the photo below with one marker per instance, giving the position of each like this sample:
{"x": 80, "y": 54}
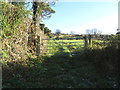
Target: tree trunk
{"x": 32, "y": 33}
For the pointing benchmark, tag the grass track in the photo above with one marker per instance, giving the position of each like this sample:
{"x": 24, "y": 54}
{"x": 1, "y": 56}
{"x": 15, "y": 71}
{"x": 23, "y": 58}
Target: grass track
{"x": 57, "y": 72}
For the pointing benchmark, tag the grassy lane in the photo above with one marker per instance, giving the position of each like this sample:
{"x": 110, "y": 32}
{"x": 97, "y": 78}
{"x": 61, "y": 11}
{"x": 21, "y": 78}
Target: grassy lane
{"x": 59, "y": 72}
{"x": 94, "y": 68}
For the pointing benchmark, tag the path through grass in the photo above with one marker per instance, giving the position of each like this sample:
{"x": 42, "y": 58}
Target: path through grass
{"x": 58, "y": 72}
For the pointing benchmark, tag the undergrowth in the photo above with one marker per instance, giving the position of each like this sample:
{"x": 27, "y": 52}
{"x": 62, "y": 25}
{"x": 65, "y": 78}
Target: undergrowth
{"x": 93, "y": 67}
{"x": 58, "y": 72}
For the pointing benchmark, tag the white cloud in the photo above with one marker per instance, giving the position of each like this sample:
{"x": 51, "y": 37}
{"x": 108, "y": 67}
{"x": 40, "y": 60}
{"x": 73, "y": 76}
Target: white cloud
{"x": 107, "y": 25}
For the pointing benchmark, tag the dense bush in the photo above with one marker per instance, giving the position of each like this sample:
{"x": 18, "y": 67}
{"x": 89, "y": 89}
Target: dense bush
{"x": 12, "y": 17}
{"x": 105, "y": 59}
{"x": 13, "y": 33}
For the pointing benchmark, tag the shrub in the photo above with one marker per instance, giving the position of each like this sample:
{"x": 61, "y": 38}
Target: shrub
{"x": 13, "y": 33}
{"x": 106, "y": 59}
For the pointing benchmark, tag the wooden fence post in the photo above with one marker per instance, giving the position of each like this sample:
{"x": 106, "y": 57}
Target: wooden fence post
{"x": 86, "y": 41}
{"x": 90, "y": 39}
{"x": 38, "y": 46}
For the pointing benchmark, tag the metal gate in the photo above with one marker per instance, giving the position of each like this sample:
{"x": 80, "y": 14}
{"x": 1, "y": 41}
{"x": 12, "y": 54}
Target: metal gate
{"x": 61, "y": 46}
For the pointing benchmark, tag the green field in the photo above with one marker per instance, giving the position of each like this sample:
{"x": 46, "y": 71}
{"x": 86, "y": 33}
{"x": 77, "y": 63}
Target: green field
{"x": 67, "y": 46}
{"x": 70, "y": 46}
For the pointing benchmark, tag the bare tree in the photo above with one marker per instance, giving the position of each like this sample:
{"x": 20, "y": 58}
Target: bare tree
{"x": 96, "y": 31}
{"x": 88, "y": 31}
{"x": 93, "y": 31}
{"x": 58, "y": 31}
{"x": 72, "y": 32}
